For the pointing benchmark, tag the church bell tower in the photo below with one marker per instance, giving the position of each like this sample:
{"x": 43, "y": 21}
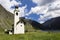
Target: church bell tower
{"x": 18, "y": 28}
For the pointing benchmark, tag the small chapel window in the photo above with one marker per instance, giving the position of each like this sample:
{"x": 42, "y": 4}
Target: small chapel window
{"x": 16, "y": 13}
{"x": 21, "y": 25}
{"x": 21, "y": 22}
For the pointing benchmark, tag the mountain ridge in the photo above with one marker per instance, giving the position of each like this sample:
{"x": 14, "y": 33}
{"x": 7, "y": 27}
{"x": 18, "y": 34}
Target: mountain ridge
{"x": 52, "y": 24}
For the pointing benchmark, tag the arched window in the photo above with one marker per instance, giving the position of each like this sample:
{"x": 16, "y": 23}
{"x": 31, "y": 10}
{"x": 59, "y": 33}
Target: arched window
{"x": 21, "y": 22}
{"x": 20, "y": 25}
{"x": 16, "y": 13}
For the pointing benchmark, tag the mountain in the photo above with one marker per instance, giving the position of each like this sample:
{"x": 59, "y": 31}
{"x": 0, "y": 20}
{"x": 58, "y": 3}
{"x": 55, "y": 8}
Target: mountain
{"x": 52, "y": 24}
{"x": 6, "y": 19}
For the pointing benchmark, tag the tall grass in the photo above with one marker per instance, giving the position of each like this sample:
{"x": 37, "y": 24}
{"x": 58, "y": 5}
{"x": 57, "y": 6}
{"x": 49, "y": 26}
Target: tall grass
{"x": 32, "y": 36}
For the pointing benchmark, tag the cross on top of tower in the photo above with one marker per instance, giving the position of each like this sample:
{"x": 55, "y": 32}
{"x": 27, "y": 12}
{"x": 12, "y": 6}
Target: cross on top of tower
{"x": 16, "y": 7}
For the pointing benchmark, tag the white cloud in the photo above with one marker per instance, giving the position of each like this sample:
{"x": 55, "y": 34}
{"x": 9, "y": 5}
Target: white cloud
{"x": 37, "y": 1}
{"x": 42, "y": 2}
{"x": 0, "y": 1}
{"x": 21, "y": 9}
{"x": 7, "y": 4}
{"x": 38, "y": 10}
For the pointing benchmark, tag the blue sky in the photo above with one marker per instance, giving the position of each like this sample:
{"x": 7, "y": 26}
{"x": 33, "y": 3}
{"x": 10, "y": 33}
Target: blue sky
{"x": 38, "y": 10}
{"x": 33, "y": 17}
{"x": 29, "y": 4}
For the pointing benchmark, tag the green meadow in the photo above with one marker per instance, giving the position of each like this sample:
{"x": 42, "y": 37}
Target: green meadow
{"x": 32, "y": 36}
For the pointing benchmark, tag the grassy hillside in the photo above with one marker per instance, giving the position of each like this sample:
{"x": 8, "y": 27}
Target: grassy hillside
{"x": 6, "y": 19}
{"x": 32, "y": 36}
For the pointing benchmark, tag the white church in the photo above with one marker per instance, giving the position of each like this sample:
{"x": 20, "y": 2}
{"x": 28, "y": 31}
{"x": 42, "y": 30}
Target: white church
{"x": 18, "y": 27}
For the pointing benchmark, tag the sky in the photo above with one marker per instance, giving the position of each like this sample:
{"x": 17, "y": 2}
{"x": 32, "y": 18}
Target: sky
{"x": 37, "y": 10}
